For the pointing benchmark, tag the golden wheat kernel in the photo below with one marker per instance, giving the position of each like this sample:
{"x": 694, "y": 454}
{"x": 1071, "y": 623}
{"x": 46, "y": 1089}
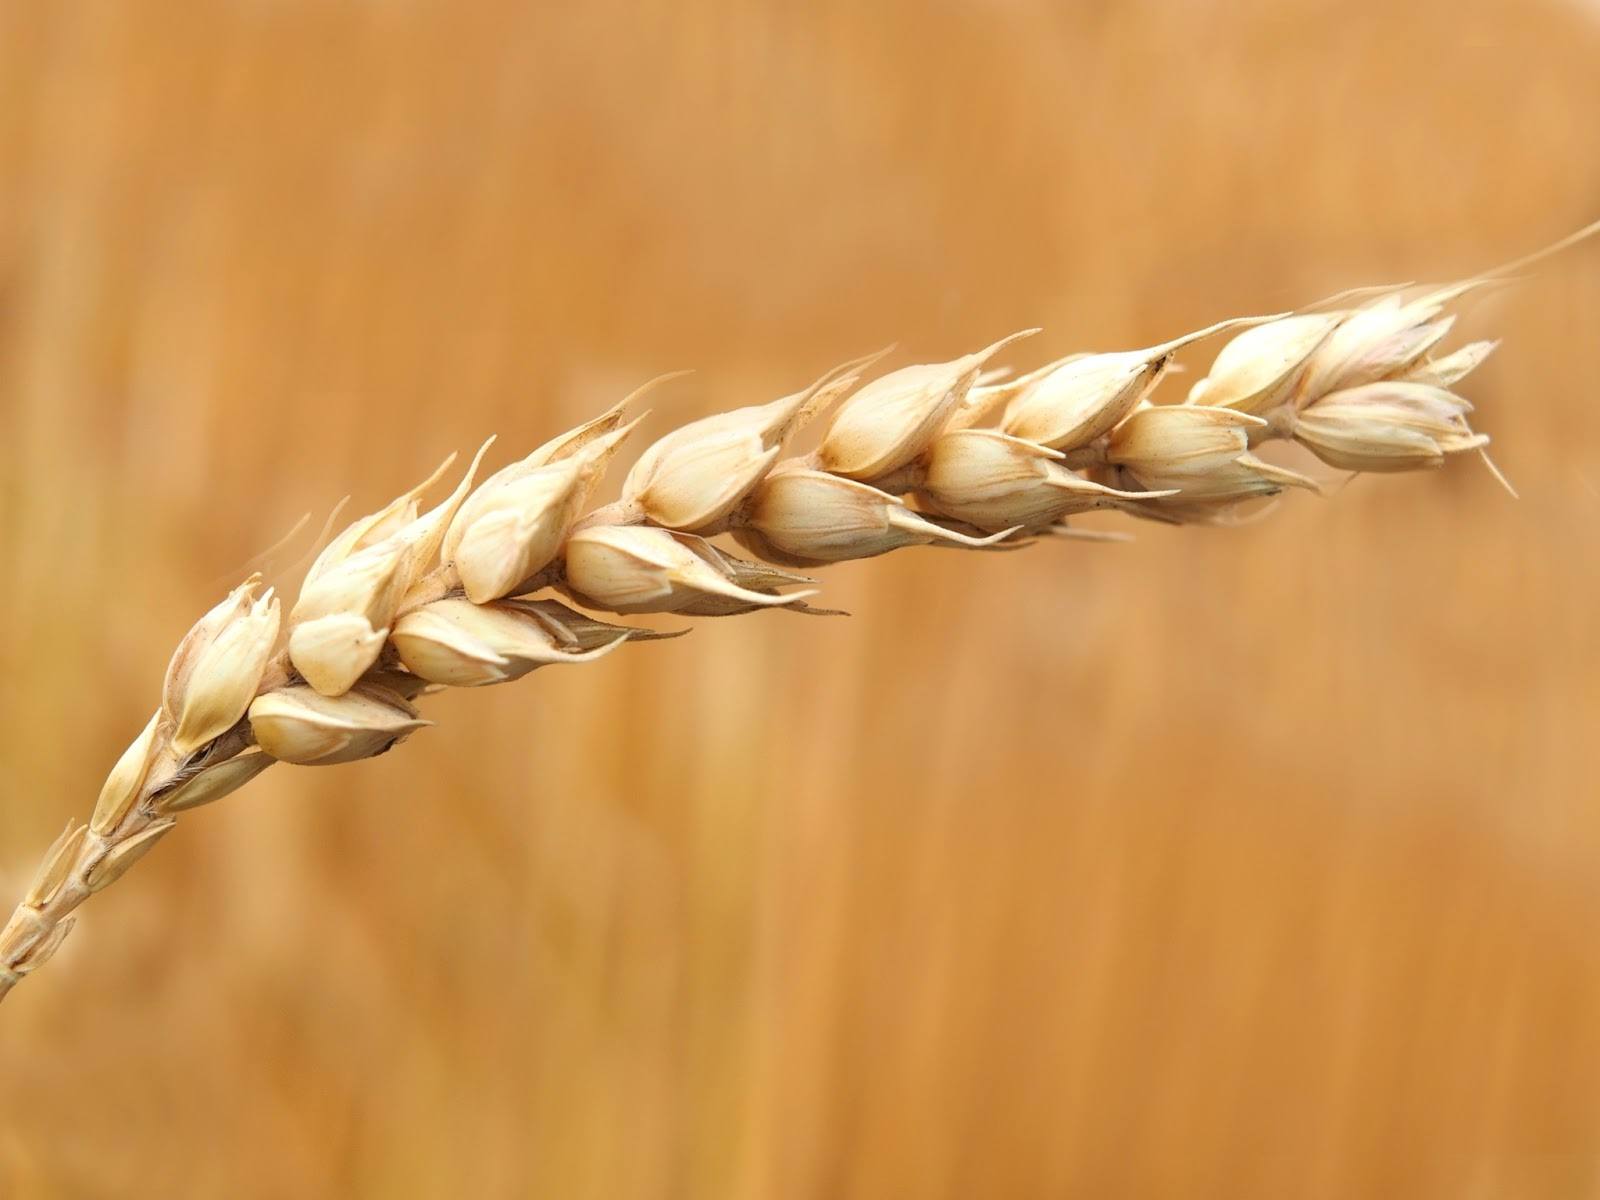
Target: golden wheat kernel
{"x": 1081, "y": 399}
{"x": 701, "y": 475}
{"x": 204, "y": 631}
{"x": 350, "y": 598}
{"x": 695, "y": 476}
{"x": 891, "y": 420}
{"x": 994, "y": 481}
{"x": 812, "y": 516}
{"x": 513, "y": 525}
{"x": 1382, "y": 339}
{"x": 1175, "y": 440}
{"x": 460, "y": 644}
{"x": 297, "y": 724}
{"x": 1389, "y": 426}
{"x": 332, "y": 652}
{"x": 640, "y": 569}
{"x": 1256, "y": 370}
{"x": 222, "y": 674}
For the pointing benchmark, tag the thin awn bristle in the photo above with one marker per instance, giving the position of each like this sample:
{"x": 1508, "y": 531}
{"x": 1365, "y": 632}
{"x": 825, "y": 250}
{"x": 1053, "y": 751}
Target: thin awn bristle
{"x": 956, "y": 455}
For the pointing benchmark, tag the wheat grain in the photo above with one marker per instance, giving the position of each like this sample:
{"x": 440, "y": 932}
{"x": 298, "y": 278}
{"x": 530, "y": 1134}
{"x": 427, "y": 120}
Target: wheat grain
{"x": 403, "y": 600}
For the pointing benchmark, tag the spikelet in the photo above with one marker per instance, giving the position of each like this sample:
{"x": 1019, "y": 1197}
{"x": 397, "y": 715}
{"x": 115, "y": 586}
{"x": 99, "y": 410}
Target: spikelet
{"x": 1396, "y": 426}
{"x": 698, "y": 474}
{"x": 892, "y": 420}
{"x": 1255, "y": 371}
{"x": 637, "y": 569}
{"x": 1378, "y": 341}
{"x": 1078, "y": 399}
{"x": 1201, "y": 452}
{"x": 513, "y": 526}
{"x": 218, "y": 666}
{"x": 297, "y": 724}
{"x": 994, "y": 481}
{"x": 800, "y": 516}
{"x": 354, "y": 590}
{"x": 460, "y": 644}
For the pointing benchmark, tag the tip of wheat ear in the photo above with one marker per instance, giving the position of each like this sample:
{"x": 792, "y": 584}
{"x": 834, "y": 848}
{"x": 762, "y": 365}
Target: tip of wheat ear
{"x": 402, "y": 602}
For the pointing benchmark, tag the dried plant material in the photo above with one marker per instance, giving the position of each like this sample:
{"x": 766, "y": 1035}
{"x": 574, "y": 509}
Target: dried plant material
{"x": 1387, "y": 427}
{"x": 890, "y": 421}
{"x": 57, "y": 863}
{"x": 1200, "y": 453}
{"x": 1166, "y": 447}
{"x": 123, "y": 855}
{"x": 1452, "y": 368}
{"x": 762, "y": 578}
{"x": 635, "y": 569}
{"x": 1081, "y": 398}
{"x": 1204, "y": 495}
{"x": 1376, "y": 342}
{"x": 758, "y": 576}
{"x": 994, "y": 481}
{"x": 298, "y": 724}
{"x": 373, "y": 529}
{"x": 381, "y": 620}
{"x": 19, "y": 935}
{"x": 354, "y": 590}
{"x": 698, "y": 474}
{"x": 461, "y": 644}
{"x": 1255, "y": 371}
{"x": 513, "y": 526}
{"x": 331, "y": 652}
{"x": 574, "y": 630}
{"x": 995, "y": 389}
{"x": 805, "y": 516}
{"x": 212, "y": 783}
{"x": 121, "y": 788}
{"x": 575, "y": 440}
{"x": 218, "y": 667}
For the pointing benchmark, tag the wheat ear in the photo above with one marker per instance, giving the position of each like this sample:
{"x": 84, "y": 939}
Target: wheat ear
{"x": 404, "y": 601}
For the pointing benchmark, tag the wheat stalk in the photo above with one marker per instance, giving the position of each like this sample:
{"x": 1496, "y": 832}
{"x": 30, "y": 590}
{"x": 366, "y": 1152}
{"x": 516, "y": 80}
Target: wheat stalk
{"x": 404, "y": 601}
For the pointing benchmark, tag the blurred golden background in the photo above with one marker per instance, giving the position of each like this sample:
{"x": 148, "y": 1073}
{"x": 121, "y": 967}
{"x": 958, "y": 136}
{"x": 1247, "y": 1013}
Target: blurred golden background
{"x": 1250, "y": 863}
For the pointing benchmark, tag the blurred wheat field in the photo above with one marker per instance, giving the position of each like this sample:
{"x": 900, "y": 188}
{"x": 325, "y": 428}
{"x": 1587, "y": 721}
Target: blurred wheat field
{"x": 1252, "y": 863}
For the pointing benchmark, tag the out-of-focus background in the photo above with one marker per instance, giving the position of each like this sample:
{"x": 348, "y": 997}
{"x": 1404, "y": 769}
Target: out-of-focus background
{"x": 1249, "y": 863}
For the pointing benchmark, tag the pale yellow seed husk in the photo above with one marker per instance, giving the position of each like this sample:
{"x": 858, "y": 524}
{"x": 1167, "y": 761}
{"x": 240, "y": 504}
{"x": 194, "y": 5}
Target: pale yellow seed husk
{"x": 56, "y": 867}
{"x": 214, "y": 782}
{"x": 296, "y": 724}
{"x": 121, "y": 787}
{"x": 122, "y": 856}
{"x": 225, "y": 675}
